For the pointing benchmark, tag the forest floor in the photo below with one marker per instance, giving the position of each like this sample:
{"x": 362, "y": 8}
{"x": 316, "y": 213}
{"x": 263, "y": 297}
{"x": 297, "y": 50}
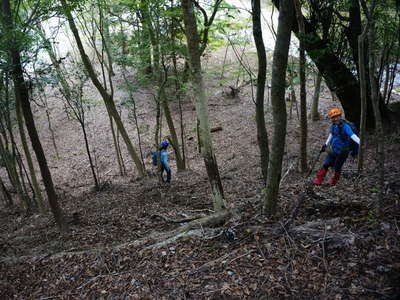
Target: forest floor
{"x": 335, "y": 247}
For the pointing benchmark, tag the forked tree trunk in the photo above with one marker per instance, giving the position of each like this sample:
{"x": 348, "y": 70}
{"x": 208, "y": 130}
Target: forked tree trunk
{"x": 21, "y": 94}
{"x": 262, "y": 135}
{"x": 202, "y": 104}
{"x": 108, "y": 101}
{"x": 278, "y": 105}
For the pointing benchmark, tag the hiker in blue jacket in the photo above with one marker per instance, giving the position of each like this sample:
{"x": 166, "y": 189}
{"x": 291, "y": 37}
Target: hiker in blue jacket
{"x": 165, "y": 161}
{"x": 340, "y": 138}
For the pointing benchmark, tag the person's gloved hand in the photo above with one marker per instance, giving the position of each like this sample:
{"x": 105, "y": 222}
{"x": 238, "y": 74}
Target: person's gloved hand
{"x": 323, "y": 148}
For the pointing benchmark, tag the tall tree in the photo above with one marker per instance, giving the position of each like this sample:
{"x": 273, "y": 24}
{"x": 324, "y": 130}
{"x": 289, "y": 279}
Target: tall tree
{"x": 370, "y": 13}
{"x": 21, "y": 95}
{"x": 303, "y": 95}
{"x": 278, "y": 82}
{"x": 194, "y": 51}
{"x": 262, "y": 134}
{"x": 338, "y": 77}
{"x": 108, "y": 101}
{"x": 363, "y": 93}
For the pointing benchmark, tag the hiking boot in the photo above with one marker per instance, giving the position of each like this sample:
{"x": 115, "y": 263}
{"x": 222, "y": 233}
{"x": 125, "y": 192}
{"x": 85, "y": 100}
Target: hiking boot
{"x": 334, "y": 179}
{"x": 320, "y": 176}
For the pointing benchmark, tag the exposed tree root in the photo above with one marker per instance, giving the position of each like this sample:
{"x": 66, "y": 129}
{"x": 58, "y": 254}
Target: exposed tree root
{"x": 178, "y": 221}
{"x": 155, "y": 240}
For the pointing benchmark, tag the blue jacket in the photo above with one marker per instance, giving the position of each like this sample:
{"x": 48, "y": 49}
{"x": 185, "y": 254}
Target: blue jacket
{"x": 164, "y": 159}
{"x": 340, "y": 141}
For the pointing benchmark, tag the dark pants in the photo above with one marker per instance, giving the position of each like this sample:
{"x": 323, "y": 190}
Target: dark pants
{"x": 335, "y": 160}
{"x": 168, "y": 170}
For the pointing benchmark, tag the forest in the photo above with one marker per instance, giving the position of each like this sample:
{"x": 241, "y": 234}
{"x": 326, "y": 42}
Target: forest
{"x": 199, "y": 149}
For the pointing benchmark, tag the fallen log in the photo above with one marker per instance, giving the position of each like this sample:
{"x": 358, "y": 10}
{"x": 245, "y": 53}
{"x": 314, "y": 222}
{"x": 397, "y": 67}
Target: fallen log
{"x": 332, "y": 240}
{"x": 215, "y": 129}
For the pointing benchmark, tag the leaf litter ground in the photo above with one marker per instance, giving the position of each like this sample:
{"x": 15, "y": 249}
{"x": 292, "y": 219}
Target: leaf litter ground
{"x": 336, "y": 246}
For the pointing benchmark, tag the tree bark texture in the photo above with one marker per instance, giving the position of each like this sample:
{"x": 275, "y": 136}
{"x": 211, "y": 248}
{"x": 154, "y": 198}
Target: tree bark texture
{"x": 262, "y": 135}
{"x": 202, "y": 104}
{"x": 278, "y": 83}
{"x": 21, "y": 94}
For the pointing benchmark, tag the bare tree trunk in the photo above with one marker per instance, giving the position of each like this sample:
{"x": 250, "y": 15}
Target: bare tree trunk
{"x": 303, "y": 95}
{"x": 108, "y": 101}
{"x": 13, "y": 175}
{"x": 262, "y": 135}
{"x": 174, "y": 137}
{"x": 28, "y": 158}
{"x": 53, "y": 139}
{"x": 363, "y": 95}
{"x": 116, "y": 146}
{"x": 278, "y": 105}
{"x": 96, "y": 181}
{"x": 21, "y": 94}
{"x": 375, "y": 102}
{"x": 178, "y": 91}
{"x": 317, "y": 90}
{"x": 202, "y": 104}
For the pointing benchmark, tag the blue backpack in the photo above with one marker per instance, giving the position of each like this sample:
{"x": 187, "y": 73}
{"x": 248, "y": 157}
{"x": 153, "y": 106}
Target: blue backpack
{"x": 353, "y": 145}
{"x": 154, "y": 158}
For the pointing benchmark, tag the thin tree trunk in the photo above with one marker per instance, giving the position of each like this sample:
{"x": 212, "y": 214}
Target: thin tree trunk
{"x": 178, "y": 90}
{"x": 375, "y": 101}
{"x": 317, "y": 90}
{"x": 117, "y": 149}
{"x": 13, "y": 175}
{"x": 303, "y": 95}
{"x": 21, "y": 94}
{"x": 28, "y": 158}
{"x": 262, "y": 135}
{"x": 127, "y": 83}
{"x": 202, "y": 104}
{"x": 363, "y": 93}
{"x": 278, "y": 105}
{"x": 108, "y": 101}
{"x": 100, "y": 55}
{"x": 96, "y": 182}
{"x": 53, "y": 139}
{"x": 174, "y": 137}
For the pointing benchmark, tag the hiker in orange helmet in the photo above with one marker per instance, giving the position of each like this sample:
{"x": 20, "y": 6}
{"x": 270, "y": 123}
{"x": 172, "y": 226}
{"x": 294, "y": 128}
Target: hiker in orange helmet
{"x": 341, "y": 138}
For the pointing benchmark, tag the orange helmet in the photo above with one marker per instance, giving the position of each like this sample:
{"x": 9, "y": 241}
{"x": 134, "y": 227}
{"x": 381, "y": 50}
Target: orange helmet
{"x": 334, "y": 112}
